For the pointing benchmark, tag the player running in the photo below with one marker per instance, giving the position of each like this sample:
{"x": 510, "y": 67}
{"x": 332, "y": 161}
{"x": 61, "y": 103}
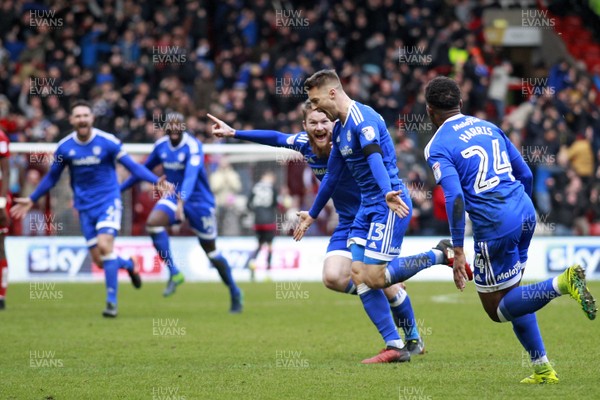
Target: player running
{"x": 362, "y": 144}
{"x": 182, "y": 159}
{"x": 91, "y": 155}
{"x": 4, "y": 208}
{"x": 482, "y": 173}
{"x": 315, "y": 146}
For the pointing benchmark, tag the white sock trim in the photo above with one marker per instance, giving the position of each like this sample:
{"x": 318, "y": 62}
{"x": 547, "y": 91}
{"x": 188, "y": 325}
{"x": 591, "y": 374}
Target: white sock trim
{"x": 538, "y": 361}
{"x": 213, "y": 254}
{"x": 399, "y": 298}
{"x": 555, "y": 285}
{"x": 501, "y": 316}
{"x": 155, "y": 229}
{"x": 439, "y": 256}
{"x": 388, "y": 277}
{"x": 111, "y": 256}
{"x": 395, "y": 343}
{"x": 352, "y": 289}
{"x": 362, "y": 288}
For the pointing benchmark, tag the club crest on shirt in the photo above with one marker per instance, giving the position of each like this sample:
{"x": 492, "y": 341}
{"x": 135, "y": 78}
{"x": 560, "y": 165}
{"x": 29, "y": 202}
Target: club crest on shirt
{"x": 163, "y": 155}
{"x": 181, "y": 156}
{"x": 71, "y": 152}
{"x": 348, "y": 136}
{"x": 96, "y": 150}
{"x": 369, "y": 132}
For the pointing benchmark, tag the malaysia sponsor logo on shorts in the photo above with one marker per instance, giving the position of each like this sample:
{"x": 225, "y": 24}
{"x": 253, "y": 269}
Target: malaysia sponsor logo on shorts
{"x": 510, "y": 273}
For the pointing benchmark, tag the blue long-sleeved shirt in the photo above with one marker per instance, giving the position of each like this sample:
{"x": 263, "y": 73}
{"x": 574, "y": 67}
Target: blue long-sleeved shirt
{"x": 92, "y": 169}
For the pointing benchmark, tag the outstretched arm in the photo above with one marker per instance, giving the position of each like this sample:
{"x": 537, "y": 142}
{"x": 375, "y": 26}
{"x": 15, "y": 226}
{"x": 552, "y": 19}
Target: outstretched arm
{"x": 138, "y": 170}
{"x": 152, "y": 161}
{"x": 24, "y": 204}
{"x": 266, "y": 137}
{"x": 48, "y": 181}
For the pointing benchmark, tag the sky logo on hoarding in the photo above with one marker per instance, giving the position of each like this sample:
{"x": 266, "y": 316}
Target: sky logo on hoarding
{"x": 58, "y": 259}
{"x": 560, "y": 257}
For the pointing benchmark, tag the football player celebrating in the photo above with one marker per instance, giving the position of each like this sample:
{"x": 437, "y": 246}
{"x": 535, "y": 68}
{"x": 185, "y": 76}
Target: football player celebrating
{"x": 363, "y": 145}
{"x": 482, "y": 173}
{"x": 315, "y": 145}
{"x": 91, "y": 155}
{"x": 182, "y": 159}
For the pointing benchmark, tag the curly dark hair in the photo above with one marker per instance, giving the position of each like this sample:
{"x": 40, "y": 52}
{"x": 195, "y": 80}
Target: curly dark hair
{"x": 442, "y": 93}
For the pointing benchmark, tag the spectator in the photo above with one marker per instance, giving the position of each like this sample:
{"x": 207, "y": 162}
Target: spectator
{"x": 226, "y": 184}
{"x": 237, "y": 60}
{"x": 499, "y": 88}
{"x": 580, "y": 156}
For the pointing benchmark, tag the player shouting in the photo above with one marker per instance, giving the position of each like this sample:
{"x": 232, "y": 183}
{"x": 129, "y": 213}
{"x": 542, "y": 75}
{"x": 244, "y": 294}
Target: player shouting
{"x": 315, "y": 146}
{"x": 362, "y": 144}
{"x": 91, "y": 155}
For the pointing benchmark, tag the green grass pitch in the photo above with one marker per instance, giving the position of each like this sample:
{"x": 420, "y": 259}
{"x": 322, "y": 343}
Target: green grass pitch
{"x": 293, "y": 341}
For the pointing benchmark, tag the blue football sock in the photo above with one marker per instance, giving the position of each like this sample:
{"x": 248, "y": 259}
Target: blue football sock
{"x": 351, "y": 288}
{"x": 402, "y": 268}
{"x": 528, "y": 332}
{"x": 224, "y": 271}
{"x": 160, "y": 239}
{"x": 404, "y": 315}
{"x": 527, "y": 299}
{"x": 125, "y": 263}
{"x": 110, "y": 264}
{"x": 378, "y": 310}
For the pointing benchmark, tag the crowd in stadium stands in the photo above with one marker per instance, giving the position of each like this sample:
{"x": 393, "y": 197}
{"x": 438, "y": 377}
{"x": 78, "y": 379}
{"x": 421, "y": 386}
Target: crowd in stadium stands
{"x": 246, "y": 61}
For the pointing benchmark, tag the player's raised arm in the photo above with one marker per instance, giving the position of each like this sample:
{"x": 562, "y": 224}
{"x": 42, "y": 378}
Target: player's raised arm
{"x": 260, "y": 136}
{"x": 151, "y": 162}
{"x": 141, "y": 172}
{"x": 24, "y": 204}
